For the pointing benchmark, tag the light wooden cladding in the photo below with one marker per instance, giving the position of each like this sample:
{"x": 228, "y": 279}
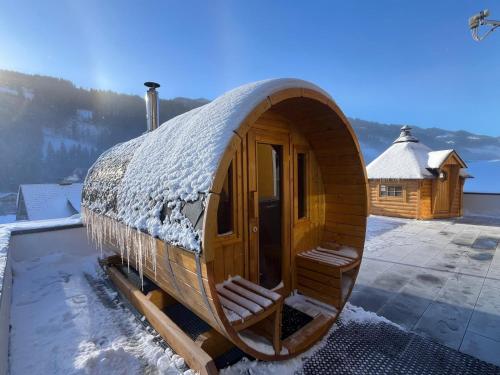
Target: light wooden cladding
{"x": 300, "y": 121}
{"x": 342, "y": 188}
{"x": 327, "y": 274}
{"x": 424, "y": 198}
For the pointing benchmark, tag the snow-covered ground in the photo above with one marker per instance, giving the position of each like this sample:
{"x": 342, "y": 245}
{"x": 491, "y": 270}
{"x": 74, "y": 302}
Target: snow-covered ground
{"x": 65, "y": 320}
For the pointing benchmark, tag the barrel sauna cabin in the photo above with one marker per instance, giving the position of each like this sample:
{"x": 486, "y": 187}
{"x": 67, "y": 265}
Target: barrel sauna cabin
{"x": 253, "y": 203}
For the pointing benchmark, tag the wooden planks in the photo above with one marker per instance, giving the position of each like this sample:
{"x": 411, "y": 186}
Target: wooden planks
{"x": 246, "y": 304}
{"x": 320, "y": 272}
{"x": 308, "y": 335}
{"x": 406, "y": 205}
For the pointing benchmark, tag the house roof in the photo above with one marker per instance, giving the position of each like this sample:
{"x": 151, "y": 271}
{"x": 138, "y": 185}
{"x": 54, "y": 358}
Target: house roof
{"x": 51, "y": 201}
{"x": 407, "y": 158}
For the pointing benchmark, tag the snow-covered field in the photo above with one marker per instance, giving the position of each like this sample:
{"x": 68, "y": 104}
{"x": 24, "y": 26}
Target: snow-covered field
{"x": 65, "y": 320}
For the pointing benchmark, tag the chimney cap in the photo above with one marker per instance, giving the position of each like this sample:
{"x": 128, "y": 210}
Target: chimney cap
{"x": 405, "y": 135}
{"x": 151, "y": 85}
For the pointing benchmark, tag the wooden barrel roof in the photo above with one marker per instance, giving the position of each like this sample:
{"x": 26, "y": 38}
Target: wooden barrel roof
{"x": 159, "y": 182}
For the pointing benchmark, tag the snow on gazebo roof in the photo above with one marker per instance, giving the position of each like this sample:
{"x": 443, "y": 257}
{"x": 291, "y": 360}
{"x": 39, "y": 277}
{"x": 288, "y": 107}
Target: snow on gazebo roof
{"x": 407, "y": 158}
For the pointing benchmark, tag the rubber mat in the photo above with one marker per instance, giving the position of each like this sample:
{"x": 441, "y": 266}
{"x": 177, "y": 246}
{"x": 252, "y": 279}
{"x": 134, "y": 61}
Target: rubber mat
{"x": 356, "y": 348}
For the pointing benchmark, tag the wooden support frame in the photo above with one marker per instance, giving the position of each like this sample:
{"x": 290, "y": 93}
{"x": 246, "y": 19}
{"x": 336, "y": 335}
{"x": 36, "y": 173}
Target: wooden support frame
{"x": 192, "y": 352}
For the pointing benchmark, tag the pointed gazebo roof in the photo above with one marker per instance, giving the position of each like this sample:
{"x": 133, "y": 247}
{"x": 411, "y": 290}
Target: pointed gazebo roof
{"x": 408, "y": 158}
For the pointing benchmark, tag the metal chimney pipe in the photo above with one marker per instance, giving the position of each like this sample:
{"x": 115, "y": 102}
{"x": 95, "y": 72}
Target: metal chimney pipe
{"x": 152, "y": 105}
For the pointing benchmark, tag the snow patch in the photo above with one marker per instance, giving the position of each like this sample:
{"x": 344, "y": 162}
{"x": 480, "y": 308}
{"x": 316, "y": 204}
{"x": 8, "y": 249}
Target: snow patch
{"x": 28, "y": 94}
{"x": 404, "y": 160}
{"x": 75, "y": 327}
{"x": 356, "y": 314}
{"x": 4, "y": 245}
{"x": 8, "y": 90}
{"x": 436, "y": 158}
{"x": 42, "y": 224}
{"x": 84, "y": 114}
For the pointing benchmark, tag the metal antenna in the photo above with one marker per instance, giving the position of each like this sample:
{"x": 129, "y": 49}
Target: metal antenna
{"x": 479, "y": 19}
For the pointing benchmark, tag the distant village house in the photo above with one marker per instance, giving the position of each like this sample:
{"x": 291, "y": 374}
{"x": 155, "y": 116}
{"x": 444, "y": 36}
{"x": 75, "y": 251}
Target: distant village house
{"x": 48, "y": 201}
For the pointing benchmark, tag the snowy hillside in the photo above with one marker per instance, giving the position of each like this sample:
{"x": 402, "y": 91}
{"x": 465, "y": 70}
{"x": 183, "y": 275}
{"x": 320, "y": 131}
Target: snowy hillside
{"x": 50, "y": 128}
{"x": 375, "y": 138}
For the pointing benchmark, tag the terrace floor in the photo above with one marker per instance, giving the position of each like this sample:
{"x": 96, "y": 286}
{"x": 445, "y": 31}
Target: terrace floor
{"x": 439, "y": 279}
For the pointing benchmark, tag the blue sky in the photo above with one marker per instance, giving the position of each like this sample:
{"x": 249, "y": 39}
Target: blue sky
{"x": 388, "y": 61}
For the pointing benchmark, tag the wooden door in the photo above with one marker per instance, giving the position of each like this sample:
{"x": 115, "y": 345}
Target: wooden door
{"x": 269, "y": 209}
{"x": 441, "y": 193}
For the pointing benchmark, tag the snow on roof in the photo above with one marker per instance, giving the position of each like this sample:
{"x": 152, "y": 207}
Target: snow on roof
{"x": 407, "y": 158}
{"x": 19, "y": 226}
{"x": 403, "y": 160}
{"x": 176, "y": 163}
{"x": 437, "y": 158}
{"x": 51, "y": 201}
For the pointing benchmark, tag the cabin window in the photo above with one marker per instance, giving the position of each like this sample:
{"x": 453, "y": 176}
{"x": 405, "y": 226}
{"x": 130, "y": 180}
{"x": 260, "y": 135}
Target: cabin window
{"x": 301, "y": 185}
{"x": 225, "y": 210}
{"x": 391, "y": 190}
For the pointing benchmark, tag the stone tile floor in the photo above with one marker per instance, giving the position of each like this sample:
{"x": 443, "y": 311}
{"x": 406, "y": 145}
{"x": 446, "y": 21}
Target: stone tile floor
{"x": 439, "y": 279}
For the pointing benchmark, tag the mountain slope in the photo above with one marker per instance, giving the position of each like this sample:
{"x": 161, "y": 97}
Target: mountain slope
{"x": 49, "y": 129}
{"x": 375, "y": 138}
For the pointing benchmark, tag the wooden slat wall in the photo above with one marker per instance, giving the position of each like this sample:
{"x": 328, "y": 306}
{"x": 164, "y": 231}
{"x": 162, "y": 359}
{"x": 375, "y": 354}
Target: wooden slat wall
{"x": 456, "y": 206}
{"x": 182, "y": 283}
{"x": 342, "y": 174}
{"x": 405, "y": 206}
{"x": 230, "y": 249}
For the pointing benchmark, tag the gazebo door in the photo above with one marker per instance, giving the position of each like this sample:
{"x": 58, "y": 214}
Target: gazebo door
{"x": 444, "y": 189}
{"x": 269, "y": 208}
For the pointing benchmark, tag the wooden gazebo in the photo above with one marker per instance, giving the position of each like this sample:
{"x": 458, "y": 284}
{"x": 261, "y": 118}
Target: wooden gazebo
{"x": 412, "y": 181}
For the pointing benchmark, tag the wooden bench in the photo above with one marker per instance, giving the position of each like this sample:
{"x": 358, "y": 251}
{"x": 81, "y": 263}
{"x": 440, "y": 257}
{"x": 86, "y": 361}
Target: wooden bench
{"x": 246, "y": 304}
{"x": 326, "y": 272}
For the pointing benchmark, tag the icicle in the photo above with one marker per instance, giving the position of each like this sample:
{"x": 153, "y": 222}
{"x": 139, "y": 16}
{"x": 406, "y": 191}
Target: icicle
{"x": 141, "y": 257}
{"x": 130, "y": 241}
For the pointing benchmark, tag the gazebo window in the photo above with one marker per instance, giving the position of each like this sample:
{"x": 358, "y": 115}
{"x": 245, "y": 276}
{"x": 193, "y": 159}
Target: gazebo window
{"x": 391, "y": 190}
{"x": 225, "y": 210}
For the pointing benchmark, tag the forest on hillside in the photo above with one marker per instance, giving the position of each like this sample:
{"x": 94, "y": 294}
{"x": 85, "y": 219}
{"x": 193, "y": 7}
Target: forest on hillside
{"x": 49, "y": 128}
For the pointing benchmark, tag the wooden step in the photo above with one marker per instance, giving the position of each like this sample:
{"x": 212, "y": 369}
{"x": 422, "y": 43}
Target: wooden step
{"x": 308, "y": 334}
